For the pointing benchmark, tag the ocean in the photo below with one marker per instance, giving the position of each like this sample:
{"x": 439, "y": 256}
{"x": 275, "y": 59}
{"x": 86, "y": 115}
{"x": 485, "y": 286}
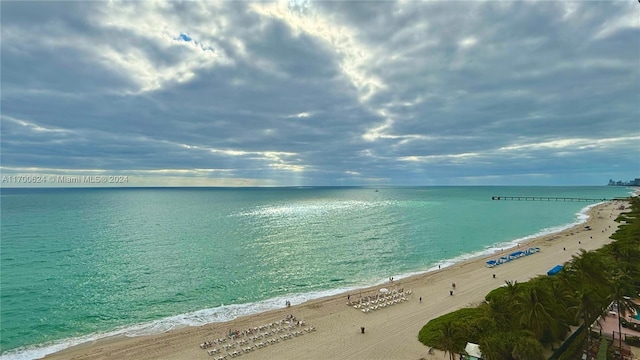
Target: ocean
{"x": 81, "y": 264}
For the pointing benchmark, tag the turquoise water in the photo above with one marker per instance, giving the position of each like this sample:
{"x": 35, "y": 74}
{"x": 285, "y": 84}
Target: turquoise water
{"x": 79, "y": 264}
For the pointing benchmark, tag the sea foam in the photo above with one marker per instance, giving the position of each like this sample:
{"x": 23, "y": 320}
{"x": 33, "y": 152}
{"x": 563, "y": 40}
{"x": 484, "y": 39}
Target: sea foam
{"x": 218, "y": 314}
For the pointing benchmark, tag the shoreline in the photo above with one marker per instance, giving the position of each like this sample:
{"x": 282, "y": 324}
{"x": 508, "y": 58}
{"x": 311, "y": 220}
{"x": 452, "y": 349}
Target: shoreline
{"x": 338, "y": 326}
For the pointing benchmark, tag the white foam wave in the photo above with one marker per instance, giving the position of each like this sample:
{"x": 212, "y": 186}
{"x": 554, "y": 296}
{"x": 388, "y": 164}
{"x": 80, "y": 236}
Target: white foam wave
{"x": 581, "y": 217}
{"x": 197, "y": 318}
{"x": 41, "y": 350}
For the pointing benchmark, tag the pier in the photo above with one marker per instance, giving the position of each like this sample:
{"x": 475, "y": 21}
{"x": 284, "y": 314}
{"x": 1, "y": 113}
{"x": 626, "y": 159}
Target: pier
{"x": 546, "y": 198}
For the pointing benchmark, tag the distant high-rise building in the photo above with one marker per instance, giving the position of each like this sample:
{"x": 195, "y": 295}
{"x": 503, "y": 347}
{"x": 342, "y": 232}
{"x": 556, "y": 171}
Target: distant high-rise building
{"x": 634, "y": 182}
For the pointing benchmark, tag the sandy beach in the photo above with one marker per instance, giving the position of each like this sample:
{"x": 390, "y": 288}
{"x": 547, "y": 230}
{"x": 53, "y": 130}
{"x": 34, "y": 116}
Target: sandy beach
{"x": 391, "y": 332}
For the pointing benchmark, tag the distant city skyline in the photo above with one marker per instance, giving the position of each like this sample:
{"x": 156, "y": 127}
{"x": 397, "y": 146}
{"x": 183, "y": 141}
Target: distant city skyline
{"x": 319, "y": 93}
{"x": 633, "y": 182}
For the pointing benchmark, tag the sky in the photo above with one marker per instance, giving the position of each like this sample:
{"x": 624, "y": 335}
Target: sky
{"x": 319, "y": 93}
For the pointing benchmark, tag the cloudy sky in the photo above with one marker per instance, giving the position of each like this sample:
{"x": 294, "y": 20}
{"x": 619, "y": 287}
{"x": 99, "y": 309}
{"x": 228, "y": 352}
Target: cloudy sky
{"x": 304, "y": 93}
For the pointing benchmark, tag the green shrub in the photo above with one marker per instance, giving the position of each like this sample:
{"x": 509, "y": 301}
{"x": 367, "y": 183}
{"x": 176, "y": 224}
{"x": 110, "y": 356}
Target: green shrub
{"x": 633, "y": 341}
{"x": 468, "y": 322}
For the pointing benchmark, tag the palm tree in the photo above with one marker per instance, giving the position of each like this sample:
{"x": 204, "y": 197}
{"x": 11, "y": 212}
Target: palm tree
{"x": 527, "y": 348}
{"x": 512, "y": 288}
{"x": 587, "y": 266}
{"x": 532, "y": 312}
{"x": 511, "y": 345}
{"x": 448, "y": 339}
{"x": 563, "y": 300}
{"x": 591, "y": 306}
{"x": 625, "y": 253}
{"x": 585, "y": 276}
{"x": 496, "y": 345}
{"x": 508, "y": 299}
{"x": 621, "y": 285}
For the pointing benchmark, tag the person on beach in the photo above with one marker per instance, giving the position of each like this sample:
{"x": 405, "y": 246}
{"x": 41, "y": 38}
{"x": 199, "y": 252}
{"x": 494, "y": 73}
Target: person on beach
{"x": 421, "y": 299}
{"x": 451, "y": 292}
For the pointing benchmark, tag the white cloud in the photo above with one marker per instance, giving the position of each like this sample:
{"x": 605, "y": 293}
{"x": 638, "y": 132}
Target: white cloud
{"x": 35, "y": 127}
{"x": 573, "y": 144}
{"x": 341, "y": 39}
{"x": 630, "y": 20}
{"x": 468, "y": 42}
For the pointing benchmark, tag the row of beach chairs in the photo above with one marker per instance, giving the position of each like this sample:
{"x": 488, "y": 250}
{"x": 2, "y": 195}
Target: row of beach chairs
{"x": 513, "y": 256}
{"x": 238, "y": 343}
{"x": 380, "y": 301}
{"x": 381, "y": 305}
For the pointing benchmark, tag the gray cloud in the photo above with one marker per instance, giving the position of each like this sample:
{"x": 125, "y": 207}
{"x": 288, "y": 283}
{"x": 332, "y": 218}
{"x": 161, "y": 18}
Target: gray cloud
{"x": 324, "y": 93}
